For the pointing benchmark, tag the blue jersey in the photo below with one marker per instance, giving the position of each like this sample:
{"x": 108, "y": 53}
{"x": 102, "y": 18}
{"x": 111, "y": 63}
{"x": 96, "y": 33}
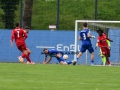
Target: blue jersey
{"x": 86, "y": 42}
{"x": 85, "y": 38}
{"x": 53, "y": 53}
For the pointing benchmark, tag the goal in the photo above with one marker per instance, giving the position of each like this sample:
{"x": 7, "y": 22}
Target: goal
{"x": 111, "y": 28}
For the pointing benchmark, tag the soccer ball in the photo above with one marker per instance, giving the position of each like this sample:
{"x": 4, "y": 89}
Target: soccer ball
{"x": 65, "y": 56}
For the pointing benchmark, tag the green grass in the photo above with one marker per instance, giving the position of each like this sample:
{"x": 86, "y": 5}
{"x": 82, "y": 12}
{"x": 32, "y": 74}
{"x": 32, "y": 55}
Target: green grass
{"x": 16, "y": 76}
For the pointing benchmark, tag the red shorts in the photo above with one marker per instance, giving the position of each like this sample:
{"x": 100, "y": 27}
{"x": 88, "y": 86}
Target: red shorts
{"x": 105, "y": 51}
{"x": 22, "y": 47}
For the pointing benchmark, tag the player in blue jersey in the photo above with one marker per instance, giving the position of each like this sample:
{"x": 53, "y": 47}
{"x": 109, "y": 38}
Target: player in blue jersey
{"x": 57, "y": 54}
{"x": 85, "y": 36}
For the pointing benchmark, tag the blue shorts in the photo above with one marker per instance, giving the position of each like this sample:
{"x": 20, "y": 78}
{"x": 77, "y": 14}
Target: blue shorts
{"x": 87, "y": 47}
{"x": 60, "y": 59}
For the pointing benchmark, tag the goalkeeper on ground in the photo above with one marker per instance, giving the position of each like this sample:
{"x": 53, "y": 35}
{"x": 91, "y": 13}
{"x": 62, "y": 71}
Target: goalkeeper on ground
{"x": 57, "y": 54}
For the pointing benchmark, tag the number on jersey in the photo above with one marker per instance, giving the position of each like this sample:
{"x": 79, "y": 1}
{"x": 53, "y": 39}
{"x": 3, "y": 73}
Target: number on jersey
{"x": 18, "y": 33}
{"x": 84, "y": 36}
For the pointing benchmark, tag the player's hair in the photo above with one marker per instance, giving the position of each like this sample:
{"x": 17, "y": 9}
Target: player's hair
{"x": 27, "y": 27}
{"x": 44, "y": 49}
{"x": 17, "y": 24}
{"x": 85, "y": 24}
{"x": 100, "y": 30}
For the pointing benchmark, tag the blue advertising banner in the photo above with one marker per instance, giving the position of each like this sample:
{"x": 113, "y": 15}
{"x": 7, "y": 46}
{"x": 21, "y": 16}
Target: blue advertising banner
{"x": 61, "y": 40}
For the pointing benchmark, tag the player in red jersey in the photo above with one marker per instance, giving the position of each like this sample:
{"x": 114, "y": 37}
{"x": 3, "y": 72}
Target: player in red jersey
{"x": 26, "y": 30}
{"x": 19, "y": 35}
{"x": 102, "y": 43}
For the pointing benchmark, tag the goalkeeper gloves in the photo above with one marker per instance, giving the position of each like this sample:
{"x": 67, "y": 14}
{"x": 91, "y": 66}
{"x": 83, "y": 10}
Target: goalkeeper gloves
{"x": 93, "y": 36}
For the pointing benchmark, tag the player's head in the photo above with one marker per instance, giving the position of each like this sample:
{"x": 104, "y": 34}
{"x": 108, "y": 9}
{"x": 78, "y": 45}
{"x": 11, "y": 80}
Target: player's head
{"x": 45, "y": 50}
{"x": 27, "y": 29}
{"x": 17, "y": 24}
{"x": 85, "y": 24}
{"x": 100, "y": 31}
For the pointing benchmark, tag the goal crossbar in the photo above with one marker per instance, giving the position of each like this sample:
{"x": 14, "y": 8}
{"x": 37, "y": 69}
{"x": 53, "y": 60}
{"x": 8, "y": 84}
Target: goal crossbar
{"x": 97, "y": 21}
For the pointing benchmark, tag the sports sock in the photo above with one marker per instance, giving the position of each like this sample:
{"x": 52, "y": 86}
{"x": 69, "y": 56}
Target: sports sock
{"x": 104, "y": 60}
{"x": 69, "y": 62}
{"x": 92, "y": 61}
{"x": 23, "y": 55}
{"x": 77, "y": 59}
{"x": 28, "y": 58}
{"x": 108, "y": 61}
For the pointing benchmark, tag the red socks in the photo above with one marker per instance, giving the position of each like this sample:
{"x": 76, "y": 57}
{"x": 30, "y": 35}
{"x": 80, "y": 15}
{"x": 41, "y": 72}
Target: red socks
{"x": 26, "y": 56}
{"x": 108, "y": 61}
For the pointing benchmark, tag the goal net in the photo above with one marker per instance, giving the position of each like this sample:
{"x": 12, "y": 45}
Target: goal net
{"x": 111, "y": 29}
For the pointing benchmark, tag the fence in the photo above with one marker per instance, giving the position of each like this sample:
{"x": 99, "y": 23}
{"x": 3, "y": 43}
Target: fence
{"x": 63, "y": 13}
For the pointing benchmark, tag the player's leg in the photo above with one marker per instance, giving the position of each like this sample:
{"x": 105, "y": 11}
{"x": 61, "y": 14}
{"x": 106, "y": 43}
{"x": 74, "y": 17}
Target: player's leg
{"x": 66, "y": 62}
{"x": 102, "y": 57}
{"x": 25, "y": 54}
{"x": 28, "y": 56}
{"x": 108, "y": 55}
{"x": 78, "y": 56}
{"x": 91, "y": 51}
{"x": 105, "y": 52}
{"x": 107, "y": 60}
{"x": 29, "y": 52}
{"x": 82, "y": 50}
{"x": 103, "y": 60}
{"x": 21, "y": 58}
{"x": 62, "y": 61}
{"x": 92, "y": 58}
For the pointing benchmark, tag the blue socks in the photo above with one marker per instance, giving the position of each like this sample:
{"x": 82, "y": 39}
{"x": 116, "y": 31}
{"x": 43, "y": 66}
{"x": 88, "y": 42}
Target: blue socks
{"x": 69, "y": 62}
{"x": 77, "y": 59}
{"x": 92, "y": 61}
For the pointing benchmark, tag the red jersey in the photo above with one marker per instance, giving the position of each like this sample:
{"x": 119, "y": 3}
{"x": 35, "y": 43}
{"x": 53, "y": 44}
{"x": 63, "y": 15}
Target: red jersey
{"x": 19, "y": 35}
{"x": 102, "y": 41}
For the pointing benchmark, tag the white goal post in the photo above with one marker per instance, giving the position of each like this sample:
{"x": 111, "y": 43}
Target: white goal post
{"x": 88, "y": 21}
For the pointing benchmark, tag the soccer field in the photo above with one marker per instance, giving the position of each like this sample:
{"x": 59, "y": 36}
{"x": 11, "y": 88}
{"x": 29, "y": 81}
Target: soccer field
{"x": 17, "y": 76}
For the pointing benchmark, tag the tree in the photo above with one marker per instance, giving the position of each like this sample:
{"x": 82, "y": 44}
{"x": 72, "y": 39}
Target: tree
{"x": 9, "y": 7}
{"x": 27, "y": 14}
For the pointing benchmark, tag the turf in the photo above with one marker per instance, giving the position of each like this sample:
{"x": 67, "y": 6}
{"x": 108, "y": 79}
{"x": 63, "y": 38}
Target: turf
{"x": 17, "y": 76}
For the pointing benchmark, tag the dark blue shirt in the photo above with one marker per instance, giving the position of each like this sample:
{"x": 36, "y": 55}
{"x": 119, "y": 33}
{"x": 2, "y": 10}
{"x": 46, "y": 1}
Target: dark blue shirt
{"x": 85, "y": 38}
{"x": 53, "y": 53}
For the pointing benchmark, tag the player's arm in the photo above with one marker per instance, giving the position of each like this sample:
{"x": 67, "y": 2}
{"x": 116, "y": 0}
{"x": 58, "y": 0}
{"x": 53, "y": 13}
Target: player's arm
{"x": 12, "y": 38}
{"x": 24, "y": 34}
{"x": 98, "y": 42}
{"x": 79, "y": 38}
{"x": 47, "y": 61}
{"x": 90, "y": 36}
{"x": 109, "y": 39}
{"x": 45, "y": 58}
